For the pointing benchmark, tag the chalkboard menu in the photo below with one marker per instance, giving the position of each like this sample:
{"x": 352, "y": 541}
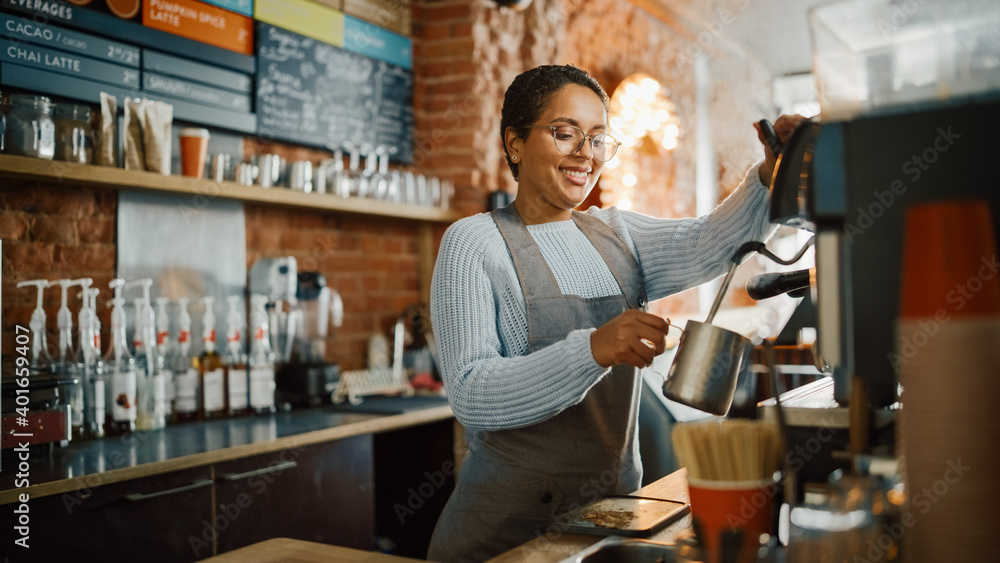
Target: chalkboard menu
{"x": 314, "y": 93}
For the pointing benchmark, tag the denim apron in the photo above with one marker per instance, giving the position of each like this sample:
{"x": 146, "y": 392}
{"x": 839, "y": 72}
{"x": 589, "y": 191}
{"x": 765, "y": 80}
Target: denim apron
{"x": 513, "y": 482}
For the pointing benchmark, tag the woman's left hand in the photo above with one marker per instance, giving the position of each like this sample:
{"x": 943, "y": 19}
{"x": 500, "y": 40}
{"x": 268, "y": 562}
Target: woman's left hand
{"x": 783, "y": 126}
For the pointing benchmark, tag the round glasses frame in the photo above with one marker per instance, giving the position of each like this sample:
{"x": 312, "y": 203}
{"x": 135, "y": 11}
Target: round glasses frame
{"x": 610, "y": 143}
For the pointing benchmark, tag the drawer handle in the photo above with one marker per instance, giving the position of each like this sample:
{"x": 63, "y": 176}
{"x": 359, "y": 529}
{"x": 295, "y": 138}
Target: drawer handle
{"x": 135, "y": 497}
{"x": 262, "y": 471}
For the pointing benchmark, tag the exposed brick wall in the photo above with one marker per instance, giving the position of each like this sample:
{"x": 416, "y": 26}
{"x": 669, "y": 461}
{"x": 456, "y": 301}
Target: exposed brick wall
{"x": 371, "y": 263}
{"x": 53, "y": 232}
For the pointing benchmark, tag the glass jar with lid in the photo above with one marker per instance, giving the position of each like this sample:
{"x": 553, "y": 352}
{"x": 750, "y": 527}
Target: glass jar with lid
{"x": 74, "y": 136}
{"x": 30, "y": 130}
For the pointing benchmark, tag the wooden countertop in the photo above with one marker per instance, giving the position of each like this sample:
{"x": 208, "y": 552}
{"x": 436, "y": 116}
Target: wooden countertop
{"x": 556, "y": 547}
{"x": 540, "y": 550}
{"x": 195, "y": 444}
{"x": 285, "y": 550}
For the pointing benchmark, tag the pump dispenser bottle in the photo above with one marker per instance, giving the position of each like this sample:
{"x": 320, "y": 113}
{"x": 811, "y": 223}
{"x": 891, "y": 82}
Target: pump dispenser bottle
{"x": 186, "y": 385}
{"x": 120, "y": 368}
{"x": 261, "y": 359}
{"x": 41, "y": 360}
{"x": 91, "y": 378}
{"x": 64, "y": 321}
{"x": 92, "y": 304}
{"x": 65, "y": 364}
{"x": 236, "y": 361}
{"x": 214, "y": 395}
{"x": 165, "y": 351}
{"x": 152, "y": 389}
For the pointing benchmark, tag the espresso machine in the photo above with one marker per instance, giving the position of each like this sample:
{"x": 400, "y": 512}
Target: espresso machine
{"x": 851, "y": 182}
{"x": 301, "y": 310}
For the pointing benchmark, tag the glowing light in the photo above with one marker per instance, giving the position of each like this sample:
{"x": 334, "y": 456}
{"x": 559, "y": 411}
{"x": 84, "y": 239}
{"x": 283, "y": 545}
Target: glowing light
{"x": 650, "y": 85}
{"x": 643, "y": 119}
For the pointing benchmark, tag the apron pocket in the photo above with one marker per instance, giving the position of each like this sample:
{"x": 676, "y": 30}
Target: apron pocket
{"x": 536, "y": 499}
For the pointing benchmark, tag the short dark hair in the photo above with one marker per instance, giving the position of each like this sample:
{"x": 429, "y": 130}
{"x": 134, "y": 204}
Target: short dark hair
{"x": 530, "y": 92}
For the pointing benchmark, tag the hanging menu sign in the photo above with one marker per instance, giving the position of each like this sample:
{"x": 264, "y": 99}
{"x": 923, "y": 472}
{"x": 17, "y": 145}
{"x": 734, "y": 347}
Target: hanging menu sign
{"x": 72, "y": 41}
{"x": 66, "y": 63}
{"x": 314, "y": 93}
{"x": 201, "y": 22}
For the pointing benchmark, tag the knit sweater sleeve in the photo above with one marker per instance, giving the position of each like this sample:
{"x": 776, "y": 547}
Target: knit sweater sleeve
{"x": 678, "y": 254}
{"x": 491, "y": 382}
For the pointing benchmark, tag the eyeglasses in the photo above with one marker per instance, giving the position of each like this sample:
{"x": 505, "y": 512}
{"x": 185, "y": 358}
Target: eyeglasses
{"x": 569, "y": 140}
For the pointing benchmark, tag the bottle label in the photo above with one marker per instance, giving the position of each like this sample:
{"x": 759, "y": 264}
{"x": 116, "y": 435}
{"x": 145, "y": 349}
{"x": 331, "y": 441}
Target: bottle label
{"x": 159, "y": 395}
{"x": 238, "y": 398}
{"x": 215, "y": 387}
{"x": 123, "y": 385}
{"x": 168, "y": 383}
{"x": 186, "y": 390}
{"x": 76, "y": 405}
{"x": 99, "y": 400}
{"x": 262, "y": 387}
{"x": 48, "y": 134}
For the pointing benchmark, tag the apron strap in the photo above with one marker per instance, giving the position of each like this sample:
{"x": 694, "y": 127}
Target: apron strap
{"x": 533, "y": 272}
{"x": 617, "y": 256}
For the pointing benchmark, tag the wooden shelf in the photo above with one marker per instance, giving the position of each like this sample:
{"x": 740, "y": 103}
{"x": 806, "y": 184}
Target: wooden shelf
{"x": 53, "y": 171}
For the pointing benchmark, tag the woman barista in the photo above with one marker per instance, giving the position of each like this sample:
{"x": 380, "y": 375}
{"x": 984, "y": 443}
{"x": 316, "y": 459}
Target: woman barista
{"x": 538, "y": 311}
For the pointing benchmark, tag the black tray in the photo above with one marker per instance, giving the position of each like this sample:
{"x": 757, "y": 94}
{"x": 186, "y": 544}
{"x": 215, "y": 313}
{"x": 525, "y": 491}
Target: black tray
{"x": 650, "y": 515}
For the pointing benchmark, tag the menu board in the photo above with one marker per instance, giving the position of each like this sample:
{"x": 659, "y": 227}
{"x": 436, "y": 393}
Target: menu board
{"x": 314, "y": 93}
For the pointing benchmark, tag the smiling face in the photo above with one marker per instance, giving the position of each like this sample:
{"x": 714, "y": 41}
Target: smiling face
{"x": 550, "y": 183}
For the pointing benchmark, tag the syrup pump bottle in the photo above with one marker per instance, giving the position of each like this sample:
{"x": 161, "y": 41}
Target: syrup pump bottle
{"x": 186, "y": 384}
{"x": 261, "y": 359}
{"x": 65, "y": 364}
{"x": 121, "y": 379}
{"x": 165, "y": 350}
{"x": 214, "y": 395}
{"x": 91, "y": 376}
{"x": 41, "y": 360}
{"x": 236, "y": 361}
{"x": 152, "y": 389}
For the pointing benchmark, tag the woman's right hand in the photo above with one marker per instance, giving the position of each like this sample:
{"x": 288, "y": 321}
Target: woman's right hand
{"x": 632, "y": 337}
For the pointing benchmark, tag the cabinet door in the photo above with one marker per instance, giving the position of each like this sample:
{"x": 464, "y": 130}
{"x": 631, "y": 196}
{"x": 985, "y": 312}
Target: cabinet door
{"x": 320, "y": 493}
{"x": 159, "y": 518}
{"x": 414, "y": 477}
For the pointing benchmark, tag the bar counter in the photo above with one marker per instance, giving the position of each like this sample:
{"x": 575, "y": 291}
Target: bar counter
{"x": 544, "y": 549}
{"x": 182, "y": 446}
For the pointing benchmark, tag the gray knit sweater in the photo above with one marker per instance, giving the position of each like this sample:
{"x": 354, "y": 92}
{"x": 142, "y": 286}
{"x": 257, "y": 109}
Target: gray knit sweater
{"x": 478, "y": 310}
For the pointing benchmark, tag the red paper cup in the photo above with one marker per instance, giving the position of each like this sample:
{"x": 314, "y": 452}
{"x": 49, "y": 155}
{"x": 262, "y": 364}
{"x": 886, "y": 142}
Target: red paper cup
{"x": 744, "y": 505}
{"x": 194, "y": 147}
